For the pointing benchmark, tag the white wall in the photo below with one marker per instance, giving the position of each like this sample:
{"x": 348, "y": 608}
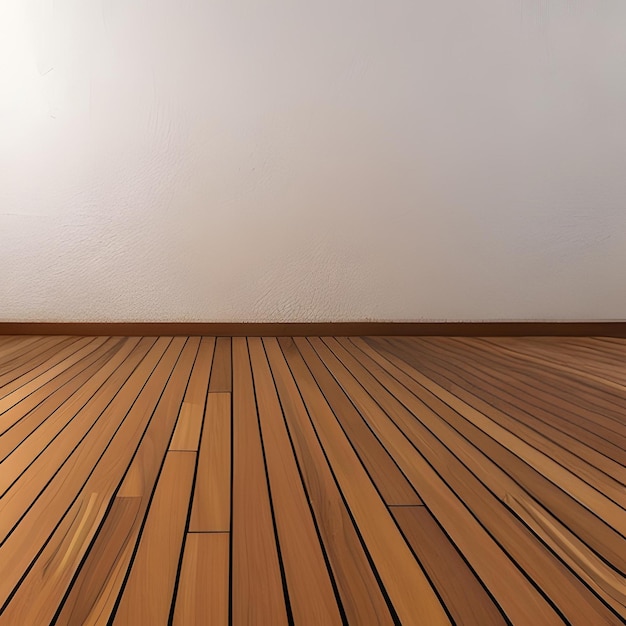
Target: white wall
{"x": 228, "y": 160}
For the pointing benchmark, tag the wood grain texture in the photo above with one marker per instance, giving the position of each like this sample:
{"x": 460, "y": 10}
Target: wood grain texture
{"x": 26, "y": 362}
{"x": 474, "y": 389}
{"x": 18, "y": 388}
{"x": 212, "y": 493}
{"x": 135, "y": 405}
{"x": 42, "y": 443}
{"x": 84, "y": 438}
{"x": 460, "y": 589}
{"x": 311, "y": 594}
{"x": 25, "y": 417}
{"x": 256, "y": 579}
{"x": 385, "y": 474}
{"x": 409, "y": 590}
{"x": 189, "y": 423}
{"x": 221, "y": 374}
{"x": 564, "y": 589}
{"x": 203, "y": 588}
{"x": 322, "y": 480}
{"x": 92, "y": 596}
{"x": 50, "y": 374}
{"x": 574, "y": 501}
{"x": 423, "y": 457}
{"x": 96, "y": 589}
{"x": 544, "y": 386}
{"x": 149, "y": 590}
{"x": 12, "y": 345}
{"x": 361, "y": 596}
{"x": 487, "y": 391}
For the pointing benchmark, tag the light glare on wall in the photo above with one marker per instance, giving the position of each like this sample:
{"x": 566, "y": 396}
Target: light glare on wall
{"x": 22, "y": 87}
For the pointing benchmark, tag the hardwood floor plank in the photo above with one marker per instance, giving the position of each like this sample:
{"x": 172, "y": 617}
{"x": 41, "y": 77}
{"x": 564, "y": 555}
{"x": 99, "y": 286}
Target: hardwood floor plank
{"x": 500, "y": 395}
{"x": 29, "y": 468}
{"x": 545, "y": 479}
{"x": 594, "y": 409}
{"x": 11, "y": 346}
{"x": 593, "y": 467}
{"x": 410, "y": 593}
{"x": 385, "y": 474}
{"x": 540, "y": 373}
{"x": 256, "y": 582}
{"x": 23, "y": 386}
{"x": 465, "y": 598}
{"x": 587, "y": 350}
{"x": 597, "y": 470}
{"x": 189, "y": 424}
{"x": 311, "y": 594}
{"x": 212, "y": 492}
{"x": 49, "y": 376}
{"x": 28, "y": 366}
{"x": 30, "y": 603}
{"x": 187, "y": 434}
{"x": 316, "y": 480}
{"x": 31, "y": 358}
{"x": 567, "y": 395}
{"x": 607, "y": 386}
{"x": 492, "y": 541}
{"x": 23, "y": 418}
{"x": 591, "y": 393}
{"x": 149, "y": 590}
{"x": 203, "y": 589}
{"x": 515, "y": 538}
{"x": 76, "y": 474}
{"x": 361, "y": 597}
{"x": 613, "y": 345}
{"x": 609, "y": 379}
{"x": 221, "y": 375}
{"x": 576, "y": 554}
{"x": 92, "y": 595}
{"x": 95, "y": 591}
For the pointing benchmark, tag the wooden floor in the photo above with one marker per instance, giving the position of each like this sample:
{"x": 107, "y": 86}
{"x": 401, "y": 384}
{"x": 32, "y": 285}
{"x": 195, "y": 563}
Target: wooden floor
{"x": 312, "y": 481}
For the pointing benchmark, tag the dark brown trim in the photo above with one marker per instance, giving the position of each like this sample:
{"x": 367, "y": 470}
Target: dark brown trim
{"x": 339, "y": 329}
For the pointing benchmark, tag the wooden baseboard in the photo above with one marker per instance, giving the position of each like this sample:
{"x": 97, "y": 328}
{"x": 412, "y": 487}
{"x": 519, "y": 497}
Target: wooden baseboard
{"x": 339, "y": 329}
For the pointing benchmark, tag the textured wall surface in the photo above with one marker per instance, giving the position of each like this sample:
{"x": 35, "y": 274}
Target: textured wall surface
{"x": 234, "y": 160}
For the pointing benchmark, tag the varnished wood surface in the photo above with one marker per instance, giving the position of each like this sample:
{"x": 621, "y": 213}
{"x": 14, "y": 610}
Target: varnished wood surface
{"x": 312, "y": 480}
{"x": 604, "y": 328}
